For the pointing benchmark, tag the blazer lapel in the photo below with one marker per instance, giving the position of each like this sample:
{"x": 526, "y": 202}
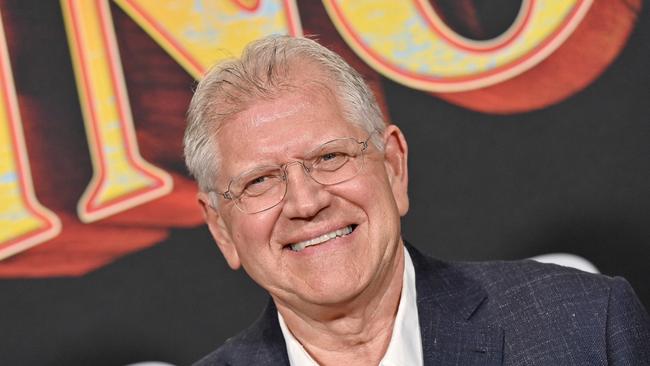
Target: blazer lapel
{"x": 446, "y": 302}
{"x": 266, "y": 342}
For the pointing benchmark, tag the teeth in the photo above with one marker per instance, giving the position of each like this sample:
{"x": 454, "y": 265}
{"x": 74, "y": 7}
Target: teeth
{"x": 323, "y": 238}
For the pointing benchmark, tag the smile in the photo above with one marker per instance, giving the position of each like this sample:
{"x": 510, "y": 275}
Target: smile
{"x": 323, "y": 238}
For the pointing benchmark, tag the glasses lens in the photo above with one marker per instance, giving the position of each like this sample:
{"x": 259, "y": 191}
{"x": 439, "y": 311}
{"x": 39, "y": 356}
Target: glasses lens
{"x": 264, "y": 187}
{"x": 337, "y": 161}
{"x": 259, "y": 189}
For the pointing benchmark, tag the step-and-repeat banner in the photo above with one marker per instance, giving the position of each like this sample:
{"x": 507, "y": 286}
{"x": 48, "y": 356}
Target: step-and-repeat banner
{"x": 528, "y": 124}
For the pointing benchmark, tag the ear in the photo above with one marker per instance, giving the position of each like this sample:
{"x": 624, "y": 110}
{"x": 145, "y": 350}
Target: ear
{"x": 219, "y": 230}
{"x": 396, "y": 161}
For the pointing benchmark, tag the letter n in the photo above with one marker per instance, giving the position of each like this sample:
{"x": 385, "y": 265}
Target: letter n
{"x": 121, "y": 178}
{"x": 23, "y": 221}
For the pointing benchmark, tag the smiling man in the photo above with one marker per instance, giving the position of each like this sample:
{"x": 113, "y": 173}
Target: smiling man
{"x": 303, "y": 185}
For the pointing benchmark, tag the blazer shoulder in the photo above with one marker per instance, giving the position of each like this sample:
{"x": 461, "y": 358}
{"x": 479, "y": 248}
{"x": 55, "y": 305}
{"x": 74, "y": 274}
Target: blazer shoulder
{"x": 232, "y": 349}
{"x": 539, "y": 303}
{"x": 549, "y": 314}
{"x": 509, "y": 277}
{"x": 260, "y": 344}
{"x": 528, "y": 290}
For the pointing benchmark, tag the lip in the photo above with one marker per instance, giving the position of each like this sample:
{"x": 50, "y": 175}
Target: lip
{"x": 316, "y": 233}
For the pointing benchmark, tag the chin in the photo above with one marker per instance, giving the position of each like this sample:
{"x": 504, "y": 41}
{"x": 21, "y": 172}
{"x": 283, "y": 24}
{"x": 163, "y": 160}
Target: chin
{"x": 334, "y": 293}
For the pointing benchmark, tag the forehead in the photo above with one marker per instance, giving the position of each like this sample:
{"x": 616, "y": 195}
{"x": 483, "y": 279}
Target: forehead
{"x": 285, "y": 127}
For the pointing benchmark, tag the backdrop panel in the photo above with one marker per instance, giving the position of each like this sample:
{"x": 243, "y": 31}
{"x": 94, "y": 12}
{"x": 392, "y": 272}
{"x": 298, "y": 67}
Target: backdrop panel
{"x": 527, "y": 124}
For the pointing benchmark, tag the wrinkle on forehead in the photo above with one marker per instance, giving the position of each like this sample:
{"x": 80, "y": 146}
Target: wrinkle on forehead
{"x": 258, "y": 120}
{"x": 299, "y": 77}
{"x": 312, "y": 91}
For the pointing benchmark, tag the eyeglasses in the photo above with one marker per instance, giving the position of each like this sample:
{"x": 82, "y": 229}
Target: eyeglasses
{"x": 264, "y": 187}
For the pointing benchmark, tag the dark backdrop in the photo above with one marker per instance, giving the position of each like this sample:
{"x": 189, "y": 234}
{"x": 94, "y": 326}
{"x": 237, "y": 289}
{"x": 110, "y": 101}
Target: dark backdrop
{"x": 572, "y": 177}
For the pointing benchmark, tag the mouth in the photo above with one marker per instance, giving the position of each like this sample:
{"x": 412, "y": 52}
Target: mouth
{"x": 296, "y": 247}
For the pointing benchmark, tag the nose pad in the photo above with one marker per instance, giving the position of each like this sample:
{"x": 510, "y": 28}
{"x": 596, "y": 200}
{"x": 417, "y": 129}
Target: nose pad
{"x": 306, "y": 173}
{"x": 304, "y": 196}
{"x": 305, "y": 169}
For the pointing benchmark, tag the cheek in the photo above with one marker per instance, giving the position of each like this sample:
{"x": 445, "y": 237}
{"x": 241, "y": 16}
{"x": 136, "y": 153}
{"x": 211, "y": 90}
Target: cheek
{"x": 374, "y": 191}
{"x": 252, "y": 232}
{"x": 372, "y": 197}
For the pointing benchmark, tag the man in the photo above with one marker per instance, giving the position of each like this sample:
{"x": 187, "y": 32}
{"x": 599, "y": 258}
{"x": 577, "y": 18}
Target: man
{"x": 303, "y": 185}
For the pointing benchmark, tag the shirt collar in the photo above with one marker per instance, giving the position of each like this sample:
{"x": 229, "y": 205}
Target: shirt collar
{"x": 405, "y": 347}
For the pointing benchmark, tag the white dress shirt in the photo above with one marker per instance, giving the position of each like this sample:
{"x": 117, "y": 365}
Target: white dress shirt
{"x": 405, "y": 347}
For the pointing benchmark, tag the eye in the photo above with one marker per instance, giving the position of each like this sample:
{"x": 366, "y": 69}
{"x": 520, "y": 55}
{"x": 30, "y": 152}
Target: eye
{"x": 331, "y": 156}
{"x": 261, "y": 182}
{"x": 258, "y": 180}
{"x": 331, "y": 161}
{"x": 255, "y": 183}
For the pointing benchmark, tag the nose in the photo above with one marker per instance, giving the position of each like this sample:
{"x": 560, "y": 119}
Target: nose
{"x": 305, "y": 197}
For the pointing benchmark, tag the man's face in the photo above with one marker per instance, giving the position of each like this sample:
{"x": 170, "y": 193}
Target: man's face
{"x": 339, "y": 269}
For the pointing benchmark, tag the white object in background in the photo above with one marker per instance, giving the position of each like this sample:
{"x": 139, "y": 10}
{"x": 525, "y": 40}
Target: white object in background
{"x": 567, "y": 260}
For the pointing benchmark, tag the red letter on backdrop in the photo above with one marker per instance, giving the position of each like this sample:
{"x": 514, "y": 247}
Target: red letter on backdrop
{"x": 23, "y": 221}
{"x": 518, "y": 71}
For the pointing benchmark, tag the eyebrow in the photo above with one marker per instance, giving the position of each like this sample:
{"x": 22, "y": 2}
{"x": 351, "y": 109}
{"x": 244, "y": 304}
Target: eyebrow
{"x": 306, "y": 156}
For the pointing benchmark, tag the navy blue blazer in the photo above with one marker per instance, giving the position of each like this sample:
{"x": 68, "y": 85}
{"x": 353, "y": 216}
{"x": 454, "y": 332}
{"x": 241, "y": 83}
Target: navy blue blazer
{"x": 496, "y": 313}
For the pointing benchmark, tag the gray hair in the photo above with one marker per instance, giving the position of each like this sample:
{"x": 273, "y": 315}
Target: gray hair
{"x": 262, "y": 73}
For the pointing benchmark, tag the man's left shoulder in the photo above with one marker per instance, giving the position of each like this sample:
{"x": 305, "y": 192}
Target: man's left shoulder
{"x": 530, "y": 284}
{"x": 528, "y": 276}
{"x": 565, "y": 300}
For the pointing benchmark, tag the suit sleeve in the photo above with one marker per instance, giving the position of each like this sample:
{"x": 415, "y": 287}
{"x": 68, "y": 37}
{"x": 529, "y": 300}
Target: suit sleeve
{"x": 628, "y": 327}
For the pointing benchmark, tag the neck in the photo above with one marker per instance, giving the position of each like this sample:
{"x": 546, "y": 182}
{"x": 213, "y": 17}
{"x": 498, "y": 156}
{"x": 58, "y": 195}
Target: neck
{"x": 355, "y": 332}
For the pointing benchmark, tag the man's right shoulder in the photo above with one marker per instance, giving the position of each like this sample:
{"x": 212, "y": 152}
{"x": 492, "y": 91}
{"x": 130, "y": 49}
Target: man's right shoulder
{"x": 233, "y": 351}
{"x": 260, "y": 344}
